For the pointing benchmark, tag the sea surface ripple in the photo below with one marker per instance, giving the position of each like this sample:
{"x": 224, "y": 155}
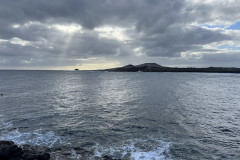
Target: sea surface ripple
{"x": 123, "y": 115}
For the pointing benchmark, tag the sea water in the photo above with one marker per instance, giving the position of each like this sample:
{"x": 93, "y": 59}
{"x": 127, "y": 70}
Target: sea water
{"x": 138, "y": 115}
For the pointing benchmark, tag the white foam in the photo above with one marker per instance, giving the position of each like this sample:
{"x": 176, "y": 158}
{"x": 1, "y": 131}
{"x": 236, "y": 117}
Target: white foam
{"x": 156, "y": 154}
{"x": 37, "y": 138}
{"x": 75, "y": 156}
{"x": 150, "y": 149}
{"x": 5, "y": 125}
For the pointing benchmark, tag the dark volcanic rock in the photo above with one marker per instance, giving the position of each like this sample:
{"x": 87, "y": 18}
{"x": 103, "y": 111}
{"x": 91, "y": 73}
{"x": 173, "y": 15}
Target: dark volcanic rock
{"x": 34, "y": 152}
{"x": 29, "y": 155}
{"x": 10, "y": 151}
{"x": 106, "y": 157}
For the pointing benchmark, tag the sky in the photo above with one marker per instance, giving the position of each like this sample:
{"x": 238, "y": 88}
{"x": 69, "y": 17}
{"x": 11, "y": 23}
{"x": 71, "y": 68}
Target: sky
{"x": 98, "y": 34}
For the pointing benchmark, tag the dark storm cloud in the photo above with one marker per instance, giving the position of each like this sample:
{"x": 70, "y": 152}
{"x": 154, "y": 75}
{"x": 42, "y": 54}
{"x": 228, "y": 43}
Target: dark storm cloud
{"x": 176, "y": 40}
{"x": 89, "y": 13}
{"x": 160, "y": 28}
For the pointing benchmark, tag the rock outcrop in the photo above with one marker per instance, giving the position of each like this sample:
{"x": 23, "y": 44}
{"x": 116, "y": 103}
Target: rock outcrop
{"x": 10, "y": 151}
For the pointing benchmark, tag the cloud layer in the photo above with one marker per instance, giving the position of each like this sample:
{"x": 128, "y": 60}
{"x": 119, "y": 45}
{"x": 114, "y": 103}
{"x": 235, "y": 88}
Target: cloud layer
{"x": 63, "y": 34}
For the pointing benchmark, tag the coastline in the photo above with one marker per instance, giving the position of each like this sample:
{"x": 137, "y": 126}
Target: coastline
{"x": 9, "y": 150}
{"x": 153, "y": 67}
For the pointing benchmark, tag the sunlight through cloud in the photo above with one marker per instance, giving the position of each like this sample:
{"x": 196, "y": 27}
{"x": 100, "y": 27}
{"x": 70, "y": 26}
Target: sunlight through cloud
{"x": 111, "y": 32}
{"x": 68, "y": 28}
{"x": 19, "y": 41}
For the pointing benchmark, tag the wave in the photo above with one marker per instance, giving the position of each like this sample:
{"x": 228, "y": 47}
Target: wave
{"x": 5, "y": 125}
{"x": 139, "y": 149}
{"x": 37, "y": 137}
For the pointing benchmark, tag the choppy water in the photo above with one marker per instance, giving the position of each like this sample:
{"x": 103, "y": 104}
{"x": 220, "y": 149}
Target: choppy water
{"x": 124, "y": 115}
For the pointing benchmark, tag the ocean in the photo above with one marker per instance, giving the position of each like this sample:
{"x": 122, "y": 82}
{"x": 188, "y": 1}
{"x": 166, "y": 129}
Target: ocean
{"x": 150, "y": 116}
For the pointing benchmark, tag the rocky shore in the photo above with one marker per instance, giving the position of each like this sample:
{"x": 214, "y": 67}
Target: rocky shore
{"x": 10, "y": 151}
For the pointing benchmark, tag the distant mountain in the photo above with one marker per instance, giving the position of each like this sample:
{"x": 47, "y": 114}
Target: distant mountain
{"x": 128, "y": 66}
{"x": 151, "y": 65}
{"x": 154, "y": 67}
{"x": 146, "y": 67}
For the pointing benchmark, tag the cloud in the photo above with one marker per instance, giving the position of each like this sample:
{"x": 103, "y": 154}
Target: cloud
{"x": 54, "y": 33}
{"x": 176, "y": 40}
{"x": 231, "y": 57}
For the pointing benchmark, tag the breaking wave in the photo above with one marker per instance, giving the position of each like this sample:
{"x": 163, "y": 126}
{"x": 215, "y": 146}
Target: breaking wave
{"x": 149, "y": 149}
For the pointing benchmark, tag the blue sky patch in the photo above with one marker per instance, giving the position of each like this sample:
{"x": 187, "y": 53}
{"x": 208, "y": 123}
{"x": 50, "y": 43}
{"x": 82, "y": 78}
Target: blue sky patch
{"x": 233, "y": 47}
{"x": 213, "y": 26}
{"x": 235, "y": 26}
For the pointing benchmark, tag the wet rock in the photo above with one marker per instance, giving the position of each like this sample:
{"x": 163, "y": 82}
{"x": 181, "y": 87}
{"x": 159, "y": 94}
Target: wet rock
{"x": 54, "y": 149}
{"x": 29, "y": 155}
{"x": 8, "y": 150}
{"x": 79, "y": 150}
{"x": 106, "y": 157}
{"x": 44, "y": 156}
